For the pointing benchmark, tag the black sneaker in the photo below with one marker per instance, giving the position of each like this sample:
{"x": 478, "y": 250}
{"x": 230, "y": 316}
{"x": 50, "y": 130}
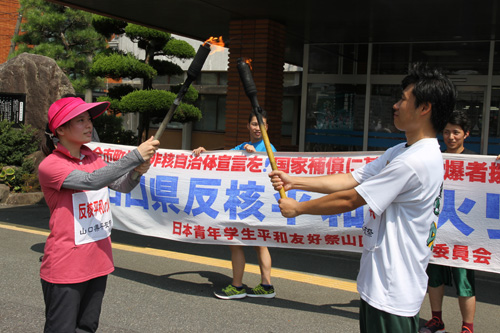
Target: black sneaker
{"x": 261, "y": 291}
{"x": 231, "y": 292}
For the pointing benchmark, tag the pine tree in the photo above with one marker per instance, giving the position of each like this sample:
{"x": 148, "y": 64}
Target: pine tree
{"x": 63, "y": 34}
{"x": 160, "y": 47}
{"x": 77, "y": 41}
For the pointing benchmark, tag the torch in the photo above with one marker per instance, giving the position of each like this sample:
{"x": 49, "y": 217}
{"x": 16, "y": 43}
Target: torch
{"x": 251, "y": 91}
{"x": 192, "y": 73}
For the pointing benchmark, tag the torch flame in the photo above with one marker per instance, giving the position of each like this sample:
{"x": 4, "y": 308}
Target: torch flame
{"x": 216, "y": 44}
{"x": 249, "y": 62}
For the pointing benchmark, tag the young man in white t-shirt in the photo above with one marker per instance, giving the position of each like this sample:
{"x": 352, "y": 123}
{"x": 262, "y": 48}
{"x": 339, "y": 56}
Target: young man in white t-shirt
{"x": 402, "y": 189}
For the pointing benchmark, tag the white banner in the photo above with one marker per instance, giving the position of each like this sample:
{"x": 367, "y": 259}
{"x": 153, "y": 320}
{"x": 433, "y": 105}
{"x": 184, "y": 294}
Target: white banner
{"x": 225, "y": 197}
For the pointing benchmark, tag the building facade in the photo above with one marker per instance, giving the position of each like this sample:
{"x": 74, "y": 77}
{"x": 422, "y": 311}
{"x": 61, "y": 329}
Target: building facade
{"x": 348, "y": 91}
{"x": 350, "y": 65}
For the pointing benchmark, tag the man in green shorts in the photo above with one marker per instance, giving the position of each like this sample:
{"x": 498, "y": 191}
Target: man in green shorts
{"x": 454, "y": 134}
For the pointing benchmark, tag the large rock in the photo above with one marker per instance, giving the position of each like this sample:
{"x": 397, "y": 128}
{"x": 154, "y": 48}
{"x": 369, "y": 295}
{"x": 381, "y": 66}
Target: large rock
{"x": 30, "y": 198}
{"x": 41, "y": 79}
{"x": 4, "y": 192}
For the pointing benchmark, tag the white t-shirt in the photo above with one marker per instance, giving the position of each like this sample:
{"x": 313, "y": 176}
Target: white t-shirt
{"x": 402, "y": 188}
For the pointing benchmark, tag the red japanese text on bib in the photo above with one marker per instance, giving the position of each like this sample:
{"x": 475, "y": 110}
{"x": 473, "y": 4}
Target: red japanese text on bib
{"x": 92, "y": 216}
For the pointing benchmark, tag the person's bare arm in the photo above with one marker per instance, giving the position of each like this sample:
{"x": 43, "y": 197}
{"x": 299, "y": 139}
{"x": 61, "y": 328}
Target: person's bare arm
{"x": 320, "y": 184}
{"x": 331, "y": 204}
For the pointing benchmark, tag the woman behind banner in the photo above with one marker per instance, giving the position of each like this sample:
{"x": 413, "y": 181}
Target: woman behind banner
{"x": 77, "y": 256}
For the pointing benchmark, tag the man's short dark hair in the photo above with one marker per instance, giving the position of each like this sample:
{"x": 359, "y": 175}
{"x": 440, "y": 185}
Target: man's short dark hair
{"x": 460, "y": 118}
{"x": 263, "y": 113}
{"x": 432, "y": 86}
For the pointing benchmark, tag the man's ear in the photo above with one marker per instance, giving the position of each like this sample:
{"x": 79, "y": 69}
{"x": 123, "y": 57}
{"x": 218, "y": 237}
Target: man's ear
{"x": 426, "y": 108}
{"x": 466, "y": 135}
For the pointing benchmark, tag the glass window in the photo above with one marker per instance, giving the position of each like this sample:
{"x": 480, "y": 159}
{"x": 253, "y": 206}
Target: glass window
{"x": 291, "y": 79}
{"x": 338, "y": 59}
{"x": 335, "y": 114}
{"x": 223, "y": 79}
{"x": 324, "y": 59}
{"x": 221, "y": 113}
{"x": 354, "y": 59}
{"x": 390, "y": 58}
{"x": 176, "y": 79}
{"x": 208, "y": 79}
{"x": 287, "y": 115}
{"x": 213, "y": 109}
{"x": 494, "y": 129}
{"x": 496, "y": 59}
{"x": 471, "y": 99}
{"x": 382, "y": 133}
{"x": 466, "y": 58}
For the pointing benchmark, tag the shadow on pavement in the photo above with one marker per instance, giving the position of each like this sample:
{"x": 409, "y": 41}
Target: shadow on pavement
{"x": 343, "y": 265}
{"x": 168, "y": 282}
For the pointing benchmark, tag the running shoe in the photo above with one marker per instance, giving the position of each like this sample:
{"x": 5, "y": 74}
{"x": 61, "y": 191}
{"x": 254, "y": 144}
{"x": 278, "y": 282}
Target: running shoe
{"x": 465, "y": 329}
{"x": 435, "y": 325}
{"x": 261, "y": 291}
{"x": 231, "y": 292}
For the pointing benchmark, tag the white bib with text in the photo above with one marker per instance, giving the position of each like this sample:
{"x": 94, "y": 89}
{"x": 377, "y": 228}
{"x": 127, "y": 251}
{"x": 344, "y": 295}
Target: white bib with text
{"x": 92, "y": 216}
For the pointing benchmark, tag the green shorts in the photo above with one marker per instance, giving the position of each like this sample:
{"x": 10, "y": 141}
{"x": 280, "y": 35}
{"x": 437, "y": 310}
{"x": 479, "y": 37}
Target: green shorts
{"x": 373, "y": 320}
{"x": 464, "y": 278}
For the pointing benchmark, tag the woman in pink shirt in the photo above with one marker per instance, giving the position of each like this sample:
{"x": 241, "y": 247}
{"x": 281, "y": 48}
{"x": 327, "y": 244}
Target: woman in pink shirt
{"x": 77, "y": 256}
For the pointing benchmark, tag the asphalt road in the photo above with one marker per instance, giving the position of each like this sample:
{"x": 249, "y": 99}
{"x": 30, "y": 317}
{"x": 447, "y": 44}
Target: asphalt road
{"x": 167, "y": 286}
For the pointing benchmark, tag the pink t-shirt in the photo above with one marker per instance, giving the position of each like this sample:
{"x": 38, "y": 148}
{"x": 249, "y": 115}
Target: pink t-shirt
{"x": 63, "y": 261}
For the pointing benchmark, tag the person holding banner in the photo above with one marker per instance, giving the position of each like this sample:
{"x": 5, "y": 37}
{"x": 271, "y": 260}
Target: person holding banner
{"x": 454, "y": 134}
{"x": 265, "y": 289}
{"x": 77, "y": 255}
{"x": 403, "y": 189}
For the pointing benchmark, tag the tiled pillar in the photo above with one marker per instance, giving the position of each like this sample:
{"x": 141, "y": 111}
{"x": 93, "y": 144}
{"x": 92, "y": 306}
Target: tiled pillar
{"x": 263, "y": 41}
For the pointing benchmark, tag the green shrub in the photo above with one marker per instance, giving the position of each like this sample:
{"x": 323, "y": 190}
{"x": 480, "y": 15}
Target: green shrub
{"x": 28, "y": 178}
{"x": 7, "y": 176}
{"x": 21, "y": 178}
{"x": 110, "y": 130}
{"x": 191, "y": 95}
{"x": 16, "y": 143}
{"x": 158, "y": 103}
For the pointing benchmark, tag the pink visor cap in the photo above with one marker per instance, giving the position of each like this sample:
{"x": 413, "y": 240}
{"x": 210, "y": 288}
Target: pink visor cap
{"x": 65, "y": 109}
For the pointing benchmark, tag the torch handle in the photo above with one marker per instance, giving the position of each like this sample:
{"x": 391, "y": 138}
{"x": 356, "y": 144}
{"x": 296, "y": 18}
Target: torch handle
{"x": 251, "y": 91}
{"x": 172, "y": 109}
{"x": 267, "y": 144}
{"x": 192, "y": 73}
{"x": 166, "y": 120}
